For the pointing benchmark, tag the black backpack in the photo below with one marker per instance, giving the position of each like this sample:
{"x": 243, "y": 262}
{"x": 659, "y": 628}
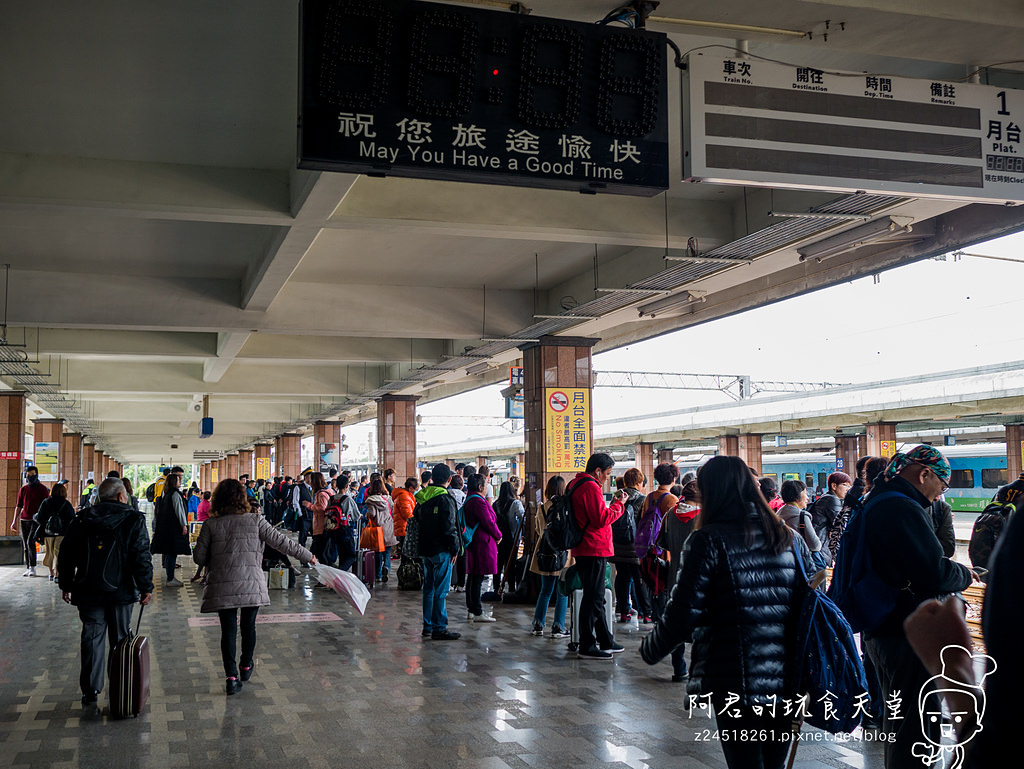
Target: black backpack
{"x": 561, "y": 531}
{"x": 987, "y": 528}
{"x": 101, "y": 568}
{"x": 624, "y": 527}
{"x": 151, "y": 492}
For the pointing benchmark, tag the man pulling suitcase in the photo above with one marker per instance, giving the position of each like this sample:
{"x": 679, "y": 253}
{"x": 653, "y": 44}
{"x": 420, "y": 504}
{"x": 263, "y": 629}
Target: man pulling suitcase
{"x": 104, "y": 567}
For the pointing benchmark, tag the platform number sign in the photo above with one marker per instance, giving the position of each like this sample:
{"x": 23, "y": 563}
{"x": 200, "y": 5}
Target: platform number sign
{"x": 409, "y": 88}
{"x": 840, "y": 463}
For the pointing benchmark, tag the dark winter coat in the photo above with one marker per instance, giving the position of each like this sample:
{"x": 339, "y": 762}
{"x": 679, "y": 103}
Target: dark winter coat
{"x": 482, "y": 552}
{"x": 137, "y": 568}
{"x": 625, "y": 548}
{"x": 737, "y": 602}
{"x": 53, "y": 507}
{"x": 231, "y": 547}
{"x": 906, "y": 554}
{"x": 168, "y": 521}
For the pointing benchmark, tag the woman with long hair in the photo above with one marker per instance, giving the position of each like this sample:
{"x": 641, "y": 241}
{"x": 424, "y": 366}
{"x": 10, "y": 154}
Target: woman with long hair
{"x": 482, "y": 551}
{"x": 230, "y": 546}
{"x": 510, "y": 513}
{"x": 321, "y": 499}
{"x": 548, "y": 579}
{"x": 379, "y": 512}
{"x": 54, "y": 514}
{"x": 737, "y": 598}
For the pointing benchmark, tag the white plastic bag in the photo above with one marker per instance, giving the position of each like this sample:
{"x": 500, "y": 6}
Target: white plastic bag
{"x": 345, "y": 584}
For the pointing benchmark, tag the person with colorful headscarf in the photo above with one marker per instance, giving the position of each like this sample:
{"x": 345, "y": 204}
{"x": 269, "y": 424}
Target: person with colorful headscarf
{"x": 905, "y": 554}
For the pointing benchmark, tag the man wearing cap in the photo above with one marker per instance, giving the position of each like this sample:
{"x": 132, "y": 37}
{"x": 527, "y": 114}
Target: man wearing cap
{"x": 435, "y": 512}
{"x": 906, "y": 554}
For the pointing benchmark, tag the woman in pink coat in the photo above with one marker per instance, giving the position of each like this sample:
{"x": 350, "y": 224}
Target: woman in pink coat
{"x": 482, "y": 552}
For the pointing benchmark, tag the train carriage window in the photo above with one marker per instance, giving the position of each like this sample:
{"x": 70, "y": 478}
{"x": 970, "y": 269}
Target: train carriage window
{"x": 791, "y": 476}
{"x": 773, "y": 476}
{"x": 994, "y": 477}
{"x": 823, "y": 480}
{"x": 961, "y": 479}
{"x": 809, "y": 481}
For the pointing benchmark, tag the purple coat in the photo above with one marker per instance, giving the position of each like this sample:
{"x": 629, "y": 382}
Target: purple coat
{"x": 482, "y": 553}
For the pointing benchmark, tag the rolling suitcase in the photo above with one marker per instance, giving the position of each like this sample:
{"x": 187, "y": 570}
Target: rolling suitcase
{"x": 574, "y": 616}
{"x": 366, "y": 566}
{"x": 129, "y": 674}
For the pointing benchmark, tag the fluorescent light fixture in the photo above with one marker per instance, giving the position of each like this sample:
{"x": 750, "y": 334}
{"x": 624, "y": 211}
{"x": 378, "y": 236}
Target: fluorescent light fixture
{"x": 670, "y": 303}
{"x": 425, "y": 385}
{"x": 710, "y": 259}
{"x": 507, "y": 339}
{"x": 872, "y": 232}
{"x": 567, "y": 317}
{"x": 631, "y": 290}
{"x": 478, "y": 368}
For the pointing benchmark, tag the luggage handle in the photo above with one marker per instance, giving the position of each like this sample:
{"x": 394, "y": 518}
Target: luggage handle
{"x": 138, "y": 624}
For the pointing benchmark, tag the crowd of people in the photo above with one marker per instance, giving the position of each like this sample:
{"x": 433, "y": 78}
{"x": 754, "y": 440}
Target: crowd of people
{"x": 711, "y": 560}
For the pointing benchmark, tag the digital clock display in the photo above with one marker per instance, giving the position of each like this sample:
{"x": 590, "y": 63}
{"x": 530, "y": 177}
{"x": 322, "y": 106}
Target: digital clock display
{"x": 407, "y": 88}
{"x": 1011, "y": 163}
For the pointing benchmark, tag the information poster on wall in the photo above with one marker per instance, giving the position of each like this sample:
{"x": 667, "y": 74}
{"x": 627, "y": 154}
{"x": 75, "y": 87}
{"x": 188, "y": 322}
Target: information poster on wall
{"x": 214, "y": 476}
{"x": 328, "y": 457}
{"x": 264, "y": 468}
{"x": 567, "y": 428}
{"x": 47, "y": 460}
{"x": 887, "y": 448}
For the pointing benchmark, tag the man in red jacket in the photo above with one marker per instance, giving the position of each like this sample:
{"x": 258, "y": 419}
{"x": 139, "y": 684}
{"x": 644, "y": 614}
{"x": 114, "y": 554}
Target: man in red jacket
{"x": 595, "y": 518}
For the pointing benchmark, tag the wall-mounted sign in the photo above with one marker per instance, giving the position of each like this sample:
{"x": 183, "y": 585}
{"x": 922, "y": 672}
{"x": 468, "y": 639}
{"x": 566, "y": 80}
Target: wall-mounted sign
{"x": 47, "y": 460}
{"x": 408, "y": 88}
{"x": 328, "y": 457}
{"x": 887, "y": 448}
{"x": 264, "y": 468}
{"x": 10, "y": 455}
{"x": 760, "y": 123}
{"x": 567, "y": 429}
{"x": 515, "y": 376}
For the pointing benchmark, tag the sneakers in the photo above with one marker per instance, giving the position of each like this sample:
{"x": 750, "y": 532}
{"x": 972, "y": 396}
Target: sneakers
{"x": 27, "y": 573}
{"x": 679, "y": 679}
{"x": 614, "y": 648}
{"x": 647, "y": 620}
{"x": 559, "y": 632}
{"x": 178, "y": 583}
{"x": 593, "y": 653}
{"x": 481, "y": 618}
{"x": 245, "y": 673}
{"x": 445, "y": 635}
{"x": 233, "y": 686}
{"x": 625, "y": 617}
{"x": 425, "y": 633}
{"x": 538, "y": 630}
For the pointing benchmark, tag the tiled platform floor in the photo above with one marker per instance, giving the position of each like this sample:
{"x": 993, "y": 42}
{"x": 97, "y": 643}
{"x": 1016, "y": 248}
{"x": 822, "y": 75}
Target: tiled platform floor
{"x": 359, "y": 692}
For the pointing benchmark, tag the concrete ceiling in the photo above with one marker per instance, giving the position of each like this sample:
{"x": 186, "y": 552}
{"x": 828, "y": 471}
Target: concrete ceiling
{"x": 163, "y": 246}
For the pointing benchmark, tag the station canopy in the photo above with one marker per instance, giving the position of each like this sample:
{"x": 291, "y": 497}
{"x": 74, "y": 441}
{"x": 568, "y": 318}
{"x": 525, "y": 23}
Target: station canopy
{"x": 164, "y": 245}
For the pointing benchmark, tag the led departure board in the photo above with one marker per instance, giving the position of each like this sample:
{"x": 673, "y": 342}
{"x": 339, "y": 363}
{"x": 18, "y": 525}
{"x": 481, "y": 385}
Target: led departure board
{"x": 407, "y": 88}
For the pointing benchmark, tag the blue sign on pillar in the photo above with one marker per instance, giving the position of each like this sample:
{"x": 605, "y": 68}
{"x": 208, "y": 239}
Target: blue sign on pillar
{"x": 840, "y": 463}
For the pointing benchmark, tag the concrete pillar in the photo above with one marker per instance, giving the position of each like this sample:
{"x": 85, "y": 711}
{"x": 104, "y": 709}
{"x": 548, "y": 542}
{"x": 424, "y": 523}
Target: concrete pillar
{"x": 288, "y": 454}
{"x": 396, "y": 434}
{"x": 729, "y": 445}
{"x": 559, "y": 424}
{"x": 862, "y": 445}
{"x": 264, "y": 468}
{"x": 71, "y": 465}
{"x": 1014, "y": 451}
{"x": 245, "y": 463}
{"x": 204, "y": 474}
{"x": 451, "y": 463}
{"x": 749, "y": 448}
{"x": 231, "y": 466}
{"x": 47, "y": 434}
{"x": 519, "y": 465}
{"x": 88, "y": 462}
{"x": 645, "y": 462}
{"x": 325, "y": 435}
{"x": 881, "y": 438}
{"x": 12, "y": 446}
{"x": 666, "y": 456}
{"x": 846, "y": 454}
{"x": 481, "y": 461}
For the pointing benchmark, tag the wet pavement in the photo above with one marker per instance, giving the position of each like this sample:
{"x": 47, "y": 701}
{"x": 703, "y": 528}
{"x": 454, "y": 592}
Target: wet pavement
{"x": 337, "y": 690}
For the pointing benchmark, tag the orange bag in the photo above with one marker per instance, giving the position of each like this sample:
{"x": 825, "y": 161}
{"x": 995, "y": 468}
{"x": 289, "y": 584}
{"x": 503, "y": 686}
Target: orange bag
{"x": 372, "y": 538}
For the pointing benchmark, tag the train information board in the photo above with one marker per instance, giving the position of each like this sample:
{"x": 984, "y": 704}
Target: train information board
{"x": 409, "y": 88}
{"x": 760, "y": 123}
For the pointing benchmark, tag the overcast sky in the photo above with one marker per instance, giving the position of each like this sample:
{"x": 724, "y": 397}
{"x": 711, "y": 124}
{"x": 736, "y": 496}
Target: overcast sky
{"x": 922, "y": 318}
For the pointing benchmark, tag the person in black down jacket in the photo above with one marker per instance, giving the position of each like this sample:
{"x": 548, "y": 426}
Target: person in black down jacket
{"x": 735, "y": 598}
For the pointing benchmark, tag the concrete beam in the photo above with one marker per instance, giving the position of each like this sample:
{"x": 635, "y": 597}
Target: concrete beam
{"x": 228, "y": 347}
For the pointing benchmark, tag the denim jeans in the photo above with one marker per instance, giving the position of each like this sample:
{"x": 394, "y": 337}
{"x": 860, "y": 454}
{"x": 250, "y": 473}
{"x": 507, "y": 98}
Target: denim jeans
{"x": 170, "y": 560}
{"x": 437, "y": 578}
{"x": 548, "y": 582}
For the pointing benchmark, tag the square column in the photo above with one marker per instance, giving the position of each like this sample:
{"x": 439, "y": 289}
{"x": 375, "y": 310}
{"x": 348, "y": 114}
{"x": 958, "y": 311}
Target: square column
{"x": 481, "y": 461}
{"x": 245, "y": 463}
{"x": 88, "y": 462}
{"x": 1014, "y": 451}
{"x": 12, "y": 446}
{"x": 71, "y": 464}
{"x": 264, "y": 468}
{"x": 99, "y": 465}
{"x": 327, "y": 447}
{"x": 559, "y": 424}
{"x": 666, "y": 456}
{"x": 729, "y": 445}
{"x": 288, "y": 454}
{"x": 881, "y": 437}
{"x": 231, "y": 466}
{"x": 645, "y": 461}
{"x": 846, "y": 454}
{"x": 396, "y": 434}
{"x": 204, "y": 476}
{"x": 47, "y": 434}
{"x": 749, "y": 449}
